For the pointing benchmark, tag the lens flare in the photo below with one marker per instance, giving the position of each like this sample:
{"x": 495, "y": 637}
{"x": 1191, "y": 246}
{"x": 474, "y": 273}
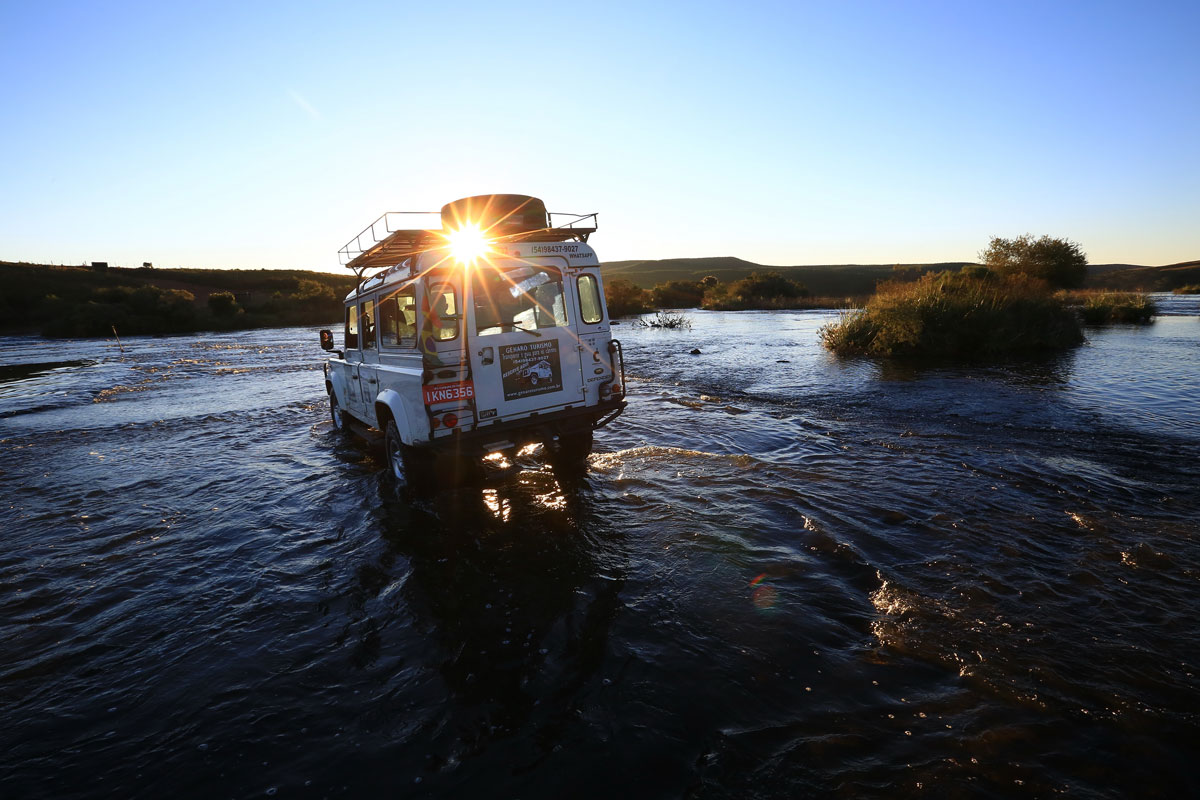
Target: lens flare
{"x": 468, "y": 244}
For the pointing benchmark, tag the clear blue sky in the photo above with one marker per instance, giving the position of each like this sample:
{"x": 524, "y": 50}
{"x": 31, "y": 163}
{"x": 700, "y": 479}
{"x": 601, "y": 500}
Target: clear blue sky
{"x": 253, "y": 134}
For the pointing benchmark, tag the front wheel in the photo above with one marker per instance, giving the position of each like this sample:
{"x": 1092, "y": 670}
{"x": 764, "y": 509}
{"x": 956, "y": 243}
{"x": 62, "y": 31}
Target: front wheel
{"x": 337, "y": 415}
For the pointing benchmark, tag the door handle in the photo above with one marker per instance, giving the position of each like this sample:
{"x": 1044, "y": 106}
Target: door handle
{"x": 487, "y": 355}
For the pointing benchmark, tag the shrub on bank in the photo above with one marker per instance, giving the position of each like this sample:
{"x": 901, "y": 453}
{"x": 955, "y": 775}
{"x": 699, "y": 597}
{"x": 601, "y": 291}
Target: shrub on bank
{"x": 1105, "y": 308}
{"x": 677, "y": 294}
{"x": 624, "y": 298}
{"x": 758, "y": 290}
{"x": 1191, "y": 288}
{"x": 956, "y": 315}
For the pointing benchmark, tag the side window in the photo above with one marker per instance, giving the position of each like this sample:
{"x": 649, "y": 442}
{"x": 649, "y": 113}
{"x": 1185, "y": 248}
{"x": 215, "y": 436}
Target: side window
{"x": 398, "y": 319}
{"x": 352, "y": 327}
{"x": 368, "y": 325}
{"x": 443, "y": 314}
{"x": 589, "y": 299}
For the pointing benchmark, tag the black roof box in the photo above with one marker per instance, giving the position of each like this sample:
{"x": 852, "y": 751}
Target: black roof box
{"x": 497, "y": 214}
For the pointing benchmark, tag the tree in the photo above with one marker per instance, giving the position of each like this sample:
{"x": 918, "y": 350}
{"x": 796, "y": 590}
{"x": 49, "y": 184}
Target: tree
{"x": 222, "y": 304}
{"x": 766, "y": 286}
{"x": 677, "y": 294}
{"x": 1059, "y": 262}
{"x": 624, "y": 297}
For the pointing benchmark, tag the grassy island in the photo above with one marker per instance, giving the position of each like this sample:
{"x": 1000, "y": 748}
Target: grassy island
{"x": 1106, "y": 308}
{"x": 969, "y": 314}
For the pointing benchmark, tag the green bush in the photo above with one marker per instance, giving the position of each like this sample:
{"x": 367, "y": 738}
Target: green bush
{"x": 766, "y": 286}
{"x": 677, "y": 294}
{"x": 1059, "y": 262}
{"x": 624, "y": 298}
{"x": 223, "y": 304}
{"x": 956, "y": 315}
{"x": 1104, "y": 308}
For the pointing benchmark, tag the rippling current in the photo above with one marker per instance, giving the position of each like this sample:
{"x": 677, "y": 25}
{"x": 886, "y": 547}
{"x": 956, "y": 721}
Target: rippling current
{"x": 782, "y": 575}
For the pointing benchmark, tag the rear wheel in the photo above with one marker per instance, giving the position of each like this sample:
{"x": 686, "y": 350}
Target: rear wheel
{"x": 572, "y": 448}
{"x": 398, "y": 459}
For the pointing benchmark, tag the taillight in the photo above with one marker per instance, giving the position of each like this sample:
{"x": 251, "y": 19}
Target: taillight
{"x": 450, "y": 420}
{"x": 434, "y": 422}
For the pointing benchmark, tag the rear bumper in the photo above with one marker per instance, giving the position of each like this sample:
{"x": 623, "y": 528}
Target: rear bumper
{"x": 528, "y": 430}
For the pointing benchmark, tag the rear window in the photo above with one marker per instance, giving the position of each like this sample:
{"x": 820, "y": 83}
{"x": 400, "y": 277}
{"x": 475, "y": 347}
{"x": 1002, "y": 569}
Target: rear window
{"x": 442, "y": 312}
{"x": 527, "y": 297}
{"x": 589, "y": 299}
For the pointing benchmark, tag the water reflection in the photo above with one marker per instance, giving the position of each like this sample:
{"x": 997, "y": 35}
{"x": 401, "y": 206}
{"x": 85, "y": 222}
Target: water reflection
{"x": 505, "y": 582}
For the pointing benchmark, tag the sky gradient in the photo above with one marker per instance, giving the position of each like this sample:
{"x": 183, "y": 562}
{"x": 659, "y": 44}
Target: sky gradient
{"x": 267, "y": 135}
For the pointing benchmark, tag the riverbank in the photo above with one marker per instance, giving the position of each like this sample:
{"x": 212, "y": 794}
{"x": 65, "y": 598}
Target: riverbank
{"x": 62, "y": 301}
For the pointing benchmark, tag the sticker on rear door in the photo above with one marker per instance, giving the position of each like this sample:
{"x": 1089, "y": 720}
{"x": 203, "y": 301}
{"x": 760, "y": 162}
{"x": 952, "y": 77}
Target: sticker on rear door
{"x": 530, "y": 368}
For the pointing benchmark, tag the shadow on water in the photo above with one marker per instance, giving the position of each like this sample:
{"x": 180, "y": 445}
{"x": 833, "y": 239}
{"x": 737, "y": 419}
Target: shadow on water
{"x": 512, "y": 587}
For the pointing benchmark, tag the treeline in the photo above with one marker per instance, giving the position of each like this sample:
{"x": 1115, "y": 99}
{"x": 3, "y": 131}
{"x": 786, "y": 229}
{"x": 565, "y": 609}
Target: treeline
{"x": 758, "y": 290}
{"x": 82, "y": 302}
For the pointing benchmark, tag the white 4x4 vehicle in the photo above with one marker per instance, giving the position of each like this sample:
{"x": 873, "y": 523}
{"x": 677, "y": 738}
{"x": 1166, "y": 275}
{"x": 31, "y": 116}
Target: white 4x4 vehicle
{"x": 482, "y": 335}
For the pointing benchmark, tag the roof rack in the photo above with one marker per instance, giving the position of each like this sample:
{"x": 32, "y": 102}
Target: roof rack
{"x": 396, "y": 235}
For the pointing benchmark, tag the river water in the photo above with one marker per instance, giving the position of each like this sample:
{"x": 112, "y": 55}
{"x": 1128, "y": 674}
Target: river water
{"x": 782, "y": 575}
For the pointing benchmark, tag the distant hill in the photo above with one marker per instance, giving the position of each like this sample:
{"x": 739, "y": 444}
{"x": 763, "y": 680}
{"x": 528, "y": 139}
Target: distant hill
{"x": 1148, "y": 279}
{"x": 835, "y": 280}
{"x": 822, "y": 280}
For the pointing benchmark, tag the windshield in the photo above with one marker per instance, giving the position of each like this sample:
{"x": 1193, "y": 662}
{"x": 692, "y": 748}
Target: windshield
{"x": 526, "y": 297}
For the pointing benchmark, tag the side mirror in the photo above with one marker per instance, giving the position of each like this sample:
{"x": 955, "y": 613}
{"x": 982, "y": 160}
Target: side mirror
{"x": 326, "y": 340}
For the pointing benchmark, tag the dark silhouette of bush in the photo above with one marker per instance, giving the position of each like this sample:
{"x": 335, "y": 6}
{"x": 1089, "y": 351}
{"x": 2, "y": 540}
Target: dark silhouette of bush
{"x": 141, "y": 310}
{"x": 766, "y": 286}
{"x": 624, "y": 298}
{"x": 1059, "y": 262}
{"x": 223, "y": 304}
{"x": 677, "y": 294}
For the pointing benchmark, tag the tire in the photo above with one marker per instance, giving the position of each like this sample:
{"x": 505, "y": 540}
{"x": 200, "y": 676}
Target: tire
{"x": 399, "y": 462}
{"x": 341, "y": 424}
{"x": 573, "y": 448}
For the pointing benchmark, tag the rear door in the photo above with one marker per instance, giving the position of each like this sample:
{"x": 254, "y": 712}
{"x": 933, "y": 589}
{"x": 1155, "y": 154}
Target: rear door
{"x": 523, "y": 348}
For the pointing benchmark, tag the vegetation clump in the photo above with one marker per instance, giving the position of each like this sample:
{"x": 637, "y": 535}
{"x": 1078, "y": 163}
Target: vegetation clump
{"x": 665, "y": 319}
{"x": 758, "y": 290}
{"x": 624, "y": 298}
{"x": 1059, "y": 262}
{"x": 678, "y": 294}
{"x": 1191, "y": 288}
{"x": 959, "y": 315}
{"x": 1105, "y": 308}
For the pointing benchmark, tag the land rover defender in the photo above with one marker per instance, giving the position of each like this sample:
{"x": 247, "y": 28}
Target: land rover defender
{"x": 482, "y": 335}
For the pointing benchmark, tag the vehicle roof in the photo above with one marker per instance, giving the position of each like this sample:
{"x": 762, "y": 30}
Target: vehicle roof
{"x": 397, "y": 274}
